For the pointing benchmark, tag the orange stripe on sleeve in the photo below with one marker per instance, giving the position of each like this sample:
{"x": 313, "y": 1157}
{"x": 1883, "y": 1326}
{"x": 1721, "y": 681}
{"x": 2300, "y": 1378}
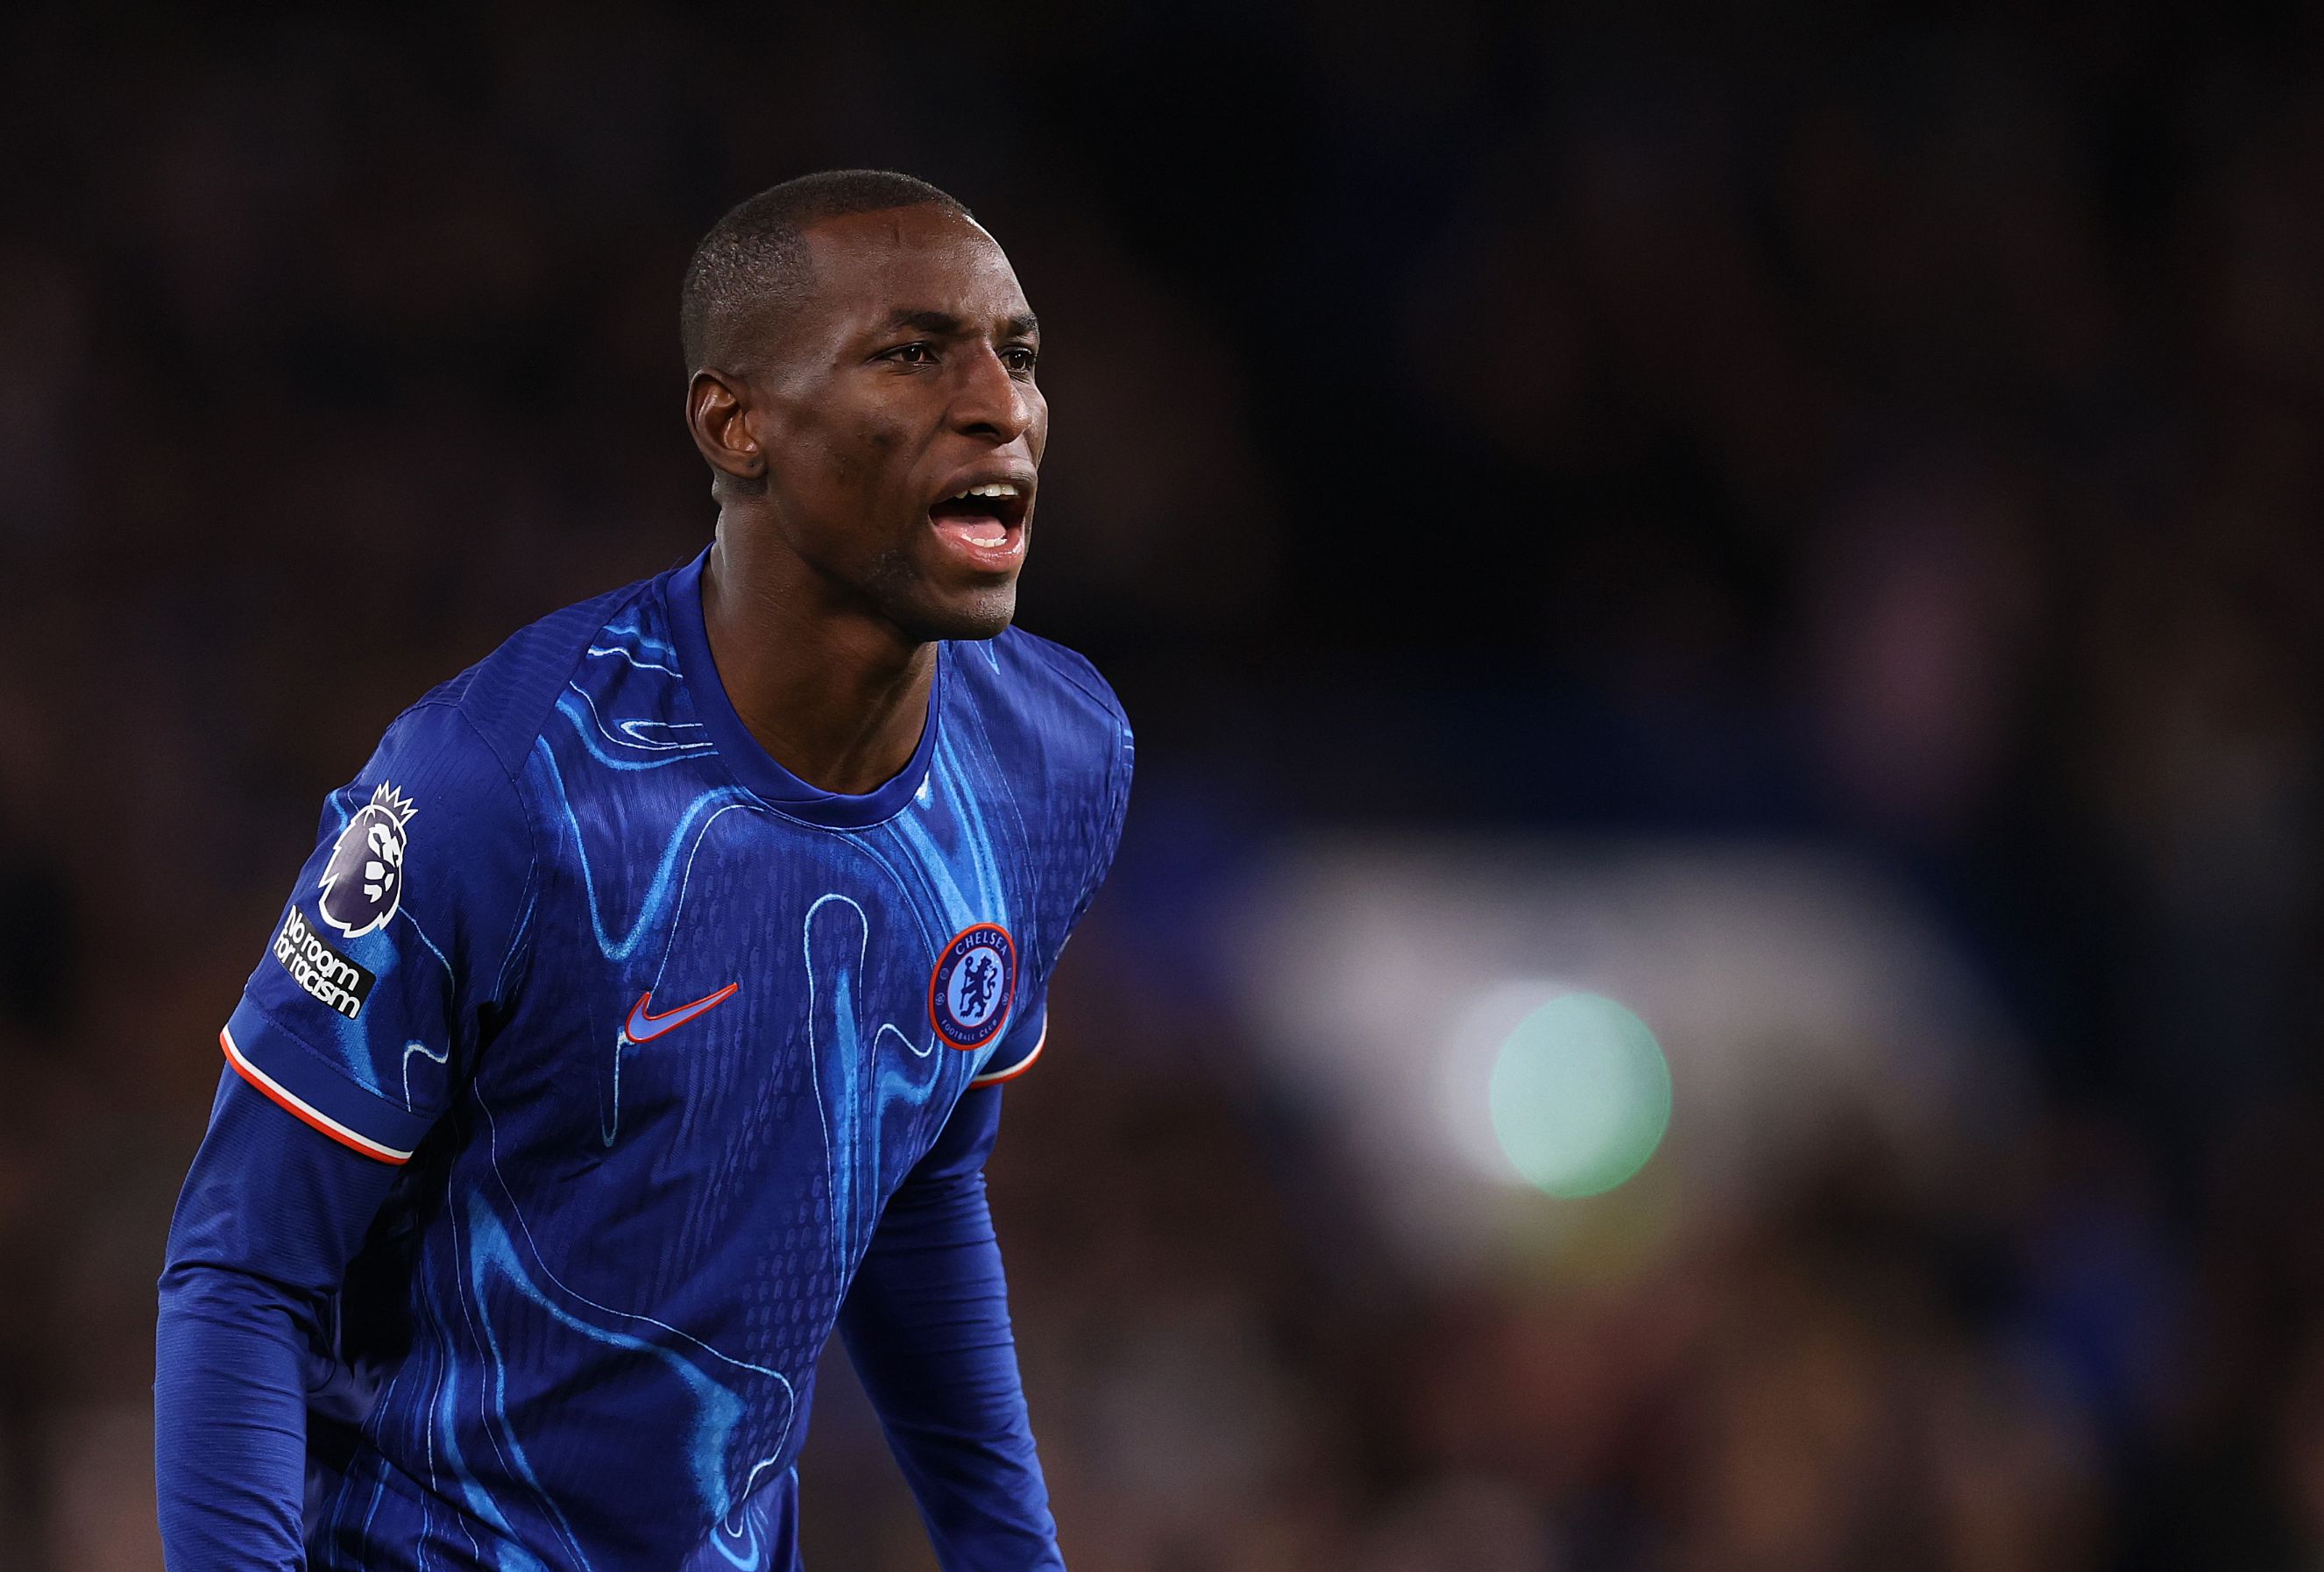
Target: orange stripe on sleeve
{"x": 314, "y": 1117}
{"x": 1018, "y": 1069}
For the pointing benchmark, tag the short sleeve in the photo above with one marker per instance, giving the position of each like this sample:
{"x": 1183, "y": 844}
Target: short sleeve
{"x": 1021, "y": 1044}
{"x": 1028, "y": 1032}
{"x": 397, "y": 944}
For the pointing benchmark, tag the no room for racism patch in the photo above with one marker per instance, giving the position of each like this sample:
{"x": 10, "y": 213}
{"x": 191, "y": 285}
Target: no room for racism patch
{"x": 321, "y": 971}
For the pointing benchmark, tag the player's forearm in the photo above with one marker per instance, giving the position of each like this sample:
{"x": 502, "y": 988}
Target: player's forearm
{"x": 230, "y": 1423}
{"x": 269, "y": 1218}
{"x": 927, "y": 1324}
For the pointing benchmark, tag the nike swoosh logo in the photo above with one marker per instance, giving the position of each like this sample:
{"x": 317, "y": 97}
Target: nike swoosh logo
{"x": 645, "y": 1027}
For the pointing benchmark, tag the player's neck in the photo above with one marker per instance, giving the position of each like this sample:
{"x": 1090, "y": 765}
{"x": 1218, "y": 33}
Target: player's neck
{"x": 837, "y": 698}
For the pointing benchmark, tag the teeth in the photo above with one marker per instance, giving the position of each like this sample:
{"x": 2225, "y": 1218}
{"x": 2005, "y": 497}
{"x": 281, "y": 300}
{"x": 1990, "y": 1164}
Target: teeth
{"x": 995, "y": 488}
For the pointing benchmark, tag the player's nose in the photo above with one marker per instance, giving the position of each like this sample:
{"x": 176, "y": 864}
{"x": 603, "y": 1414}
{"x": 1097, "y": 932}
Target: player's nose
{"x": 990, "y": 403}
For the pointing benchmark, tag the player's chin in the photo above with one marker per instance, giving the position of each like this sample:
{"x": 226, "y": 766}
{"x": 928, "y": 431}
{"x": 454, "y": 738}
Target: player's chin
{"x": 960, "y": 594}
{"x": 966, "y": 611}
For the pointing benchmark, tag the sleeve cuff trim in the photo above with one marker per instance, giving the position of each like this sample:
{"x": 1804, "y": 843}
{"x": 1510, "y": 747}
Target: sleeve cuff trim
{"x": 1018, "y": 1069}
{"x": 307, "y": 1113}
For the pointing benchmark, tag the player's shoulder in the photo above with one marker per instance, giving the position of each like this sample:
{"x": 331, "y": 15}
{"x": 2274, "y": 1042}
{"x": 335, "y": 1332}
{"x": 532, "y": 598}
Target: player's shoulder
{"x": 459, "y": 752}
{"x": 1051, "y": 718}
{"x": 502, "y": 703}
{"x": 1055, "y": 685}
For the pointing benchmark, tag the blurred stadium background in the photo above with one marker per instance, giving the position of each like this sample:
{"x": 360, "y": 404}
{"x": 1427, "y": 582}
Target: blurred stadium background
{"x": 1809, "y": 532}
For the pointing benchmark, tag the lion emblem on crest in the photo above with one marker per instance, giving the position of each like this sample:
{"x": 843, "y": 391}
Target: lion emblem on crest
{"x": 364, "y": 882}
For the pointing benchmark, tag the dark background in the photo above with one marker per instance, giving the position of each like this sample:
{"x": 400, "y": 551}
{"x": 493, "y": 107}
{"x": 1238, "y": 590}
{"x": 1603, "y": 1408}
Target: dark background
{"x": 1888, "y": 437}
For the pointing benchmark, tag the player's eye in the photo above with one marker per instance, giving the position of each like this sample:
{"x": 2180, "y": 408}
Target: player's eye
{"x": 1021, "y": 359}
{"x": 917, "y": 353}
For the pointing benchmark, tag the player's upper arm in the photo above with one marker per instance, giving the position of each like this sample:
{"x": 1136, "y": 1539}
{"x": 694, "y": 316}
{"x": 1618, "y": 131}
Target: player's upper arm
{"x": 1107, "y": 805}
{"x": 1021, "y": 1044}
{"x": 401, "y": 940}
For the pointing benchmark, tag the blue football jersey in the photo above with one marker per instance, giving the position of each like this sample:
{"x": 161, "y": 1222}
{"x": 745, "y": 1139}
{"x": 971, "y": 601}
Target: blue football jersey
{"x": 654, "y": 1029}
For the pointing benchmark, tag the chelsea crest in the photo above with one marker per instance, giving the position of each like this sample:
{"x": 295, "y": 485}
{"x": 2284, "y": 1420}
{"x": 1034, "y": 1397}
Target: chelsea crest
{"x": 974, "y": 980}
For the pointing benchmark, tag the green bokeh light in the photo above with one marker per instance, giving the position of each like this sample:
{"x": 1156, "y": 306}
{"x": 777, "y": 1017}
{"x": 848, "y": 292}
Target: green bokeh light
{"x": 1580, "y": 1095}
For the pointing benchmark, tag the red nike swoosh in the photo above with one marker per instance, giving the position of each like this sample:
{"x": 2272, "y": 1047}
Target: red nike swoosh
{"x": 643, "y": 1027}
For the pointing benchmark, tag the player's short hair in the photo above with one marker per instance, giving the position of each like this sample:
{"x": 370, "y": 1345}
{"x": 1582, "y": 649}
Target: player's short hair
{"x": 756, "y": 256}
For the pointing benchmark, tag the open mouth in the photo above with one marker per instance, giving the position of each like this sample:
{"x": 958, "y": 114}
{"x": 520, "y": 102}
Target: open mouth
{"x": 987, "y": 518}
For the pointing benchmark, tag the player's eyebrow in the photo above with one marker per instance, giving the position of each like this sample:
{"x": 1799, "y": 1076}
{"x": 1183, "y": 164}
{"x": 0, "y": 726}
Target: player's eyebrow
{"x": 945, "y": 324}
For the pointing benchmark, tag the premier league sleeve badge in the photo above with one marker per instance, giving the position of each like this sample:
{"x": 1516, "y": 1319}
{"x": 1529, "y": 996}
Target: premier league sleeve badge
{"x": 363, "y": 883}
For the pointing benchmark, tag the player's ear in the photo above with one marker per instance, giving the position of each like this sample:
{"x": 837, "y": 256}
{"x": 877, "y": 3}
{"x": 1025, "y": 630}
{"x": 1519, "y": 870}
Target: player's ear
{"x": 718, "y": 413}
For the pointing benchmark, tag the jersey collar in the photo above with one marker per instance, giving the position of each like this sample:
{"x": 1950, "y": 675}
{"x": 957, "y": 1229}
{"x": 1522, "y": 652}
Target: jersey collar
{"x": 752, "y": 765}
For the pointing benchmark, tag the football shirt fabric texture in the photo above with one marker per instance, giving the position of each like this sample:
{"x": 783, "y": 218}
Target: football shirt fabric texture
{"x": 637, "y": 1037}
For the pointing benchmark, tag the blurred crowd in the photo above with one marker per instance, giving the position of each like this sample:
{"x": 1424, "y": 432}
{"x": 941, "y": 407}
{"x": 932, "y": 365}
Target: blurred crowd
{"x": 1849, "y": 431}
